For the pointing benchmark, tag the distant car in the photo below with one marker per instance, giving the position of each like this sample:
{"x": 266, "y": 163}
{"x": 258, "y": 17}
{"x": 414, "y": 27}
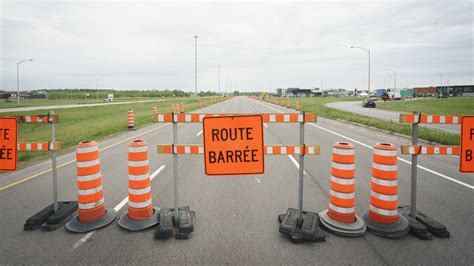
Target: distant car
{"x": 369, "y": 103}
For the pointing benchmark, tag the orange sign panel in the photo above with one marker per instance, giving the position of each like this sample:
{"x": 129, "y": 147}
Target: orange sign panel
{"x": 467, "y": 145}
{"x": 233, "y": 145}
{"x": 8, "y": 143}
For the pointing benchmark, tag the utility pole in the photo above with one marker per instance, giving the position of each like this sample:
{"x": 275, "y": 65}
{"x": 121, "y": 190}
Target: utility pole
{"x": 368, "y": 53}
{"x": 219, "y": 78}
{"x": 18, "y": 80}
{"x": 195, "y": 64}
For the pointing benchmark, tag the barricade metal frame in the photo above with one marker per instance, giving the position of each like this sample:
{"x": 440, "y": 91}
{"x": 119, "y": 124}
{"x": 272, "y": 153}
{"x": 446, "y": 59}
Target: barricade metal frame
{"x": 415, "y": 149}
{"x": 300, "y": 150}
{"x": 57, "y": 215}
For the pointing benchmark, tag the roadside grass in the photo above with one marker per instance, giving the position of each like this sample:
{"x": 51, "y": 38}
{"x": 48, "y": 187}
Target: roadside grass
{"x": 446, "y": 106}
{"x": 46, "y": 102}
{"x": 317, "y": 105}
{"x": 89, "y": 123}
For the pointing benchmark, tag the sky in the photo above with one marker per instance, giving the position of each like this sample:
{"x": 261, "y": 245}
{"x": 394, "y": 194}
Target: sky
{"x": 258, "y": 45}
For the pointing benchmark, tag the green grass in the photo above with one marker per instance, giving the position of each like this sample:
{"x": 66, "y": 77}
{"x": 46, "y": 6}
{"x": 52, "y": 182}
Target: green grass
{"x": 447, "y": 106}
{"x": 317, "y": 105}
{"x": 46, "y": 102}
{"x": 89, "y": 123}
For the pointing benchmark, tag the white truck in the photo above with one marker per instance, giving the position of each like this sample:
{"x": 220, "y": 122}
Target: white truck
{"x": 110, "y": 97}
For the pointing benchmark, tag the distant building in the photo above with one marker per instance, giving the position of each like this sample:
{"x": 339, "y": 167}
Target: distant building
{"x": 297, "y": 92}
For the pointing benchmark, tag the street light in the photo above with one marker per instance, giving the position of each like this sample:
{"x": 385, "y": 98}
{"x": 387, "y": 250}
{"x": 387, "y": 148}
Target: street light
{"x": 394, "y": 82}
{"x": 219, "y": 78}
{"x": 440, "y": 83}
{"x": 195, "y": 64}
{"x": 97, "y": 89}
{"x": 368, "y": 53}
{"x": 18, "y": 79}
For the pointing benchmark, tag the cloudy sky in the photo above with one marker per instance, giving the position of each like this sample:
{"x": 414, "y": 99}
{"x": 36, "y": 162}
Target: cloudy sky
{"x": 259, "y": 45}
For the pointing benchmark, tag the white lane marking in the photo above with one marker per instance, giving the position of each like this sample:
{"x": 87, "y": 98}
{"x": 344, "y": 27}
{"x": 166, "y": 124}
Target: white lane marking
{"x": 223, "y": 111}
{"x": 116, "y": 208}
{"x": 368, "y": 146}
{"x": 400, "y": 159}
{"x": 295, "y": 163}
{"x": 199, "y": 133}
{"x": 265, "y": 125}
{"x": 83, "y": 239}
{"x": 258, "y": 180}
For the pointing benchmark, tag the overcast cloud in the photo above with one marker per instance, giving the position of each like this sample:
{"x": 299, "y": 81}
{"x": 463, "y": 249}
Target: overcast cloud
{"x": 258, "y": 45}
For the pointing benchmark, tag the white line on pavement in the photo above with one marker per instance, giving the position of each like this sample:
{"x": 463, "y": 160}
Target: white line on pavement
{"x": 368, "y": 146}
{"x": 258, "y": 180}
{"x": 293, "y": 160}
{"x": 265, "y": 125}
{"x": 199, "y": 133}
{"x": 116, "y": 208}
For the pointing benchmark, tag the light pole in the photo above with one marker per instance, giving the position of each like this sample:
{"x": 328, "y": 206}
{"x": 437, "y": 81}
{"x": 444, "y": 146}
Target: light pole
{"x": 368, "y": 53}
{"x": 440, "y": 83}
{"x": 18, "y": 80}
{"x": 97, "y": 89}
{"x": 219, "y": 78}
{"x": 195, "y": 64}
{"x": 394, "y": 82}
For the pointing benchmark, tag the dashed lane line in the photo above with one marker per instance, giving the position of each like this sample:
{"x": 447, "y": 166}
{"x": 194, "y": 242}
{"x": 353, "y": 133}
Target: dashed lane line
{"x": 117, "y": 208}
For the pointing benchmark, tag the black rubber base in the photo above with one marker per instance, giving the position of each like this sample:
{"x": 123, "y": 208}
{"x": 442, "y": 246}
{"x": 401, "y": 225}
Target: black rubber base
{"x": 185, "y": 223}
{"x": 76, "y": 226}
{"x": 433, "y": 226}
{"x": 396, "y": 230}
{"x": 132, "y": 128}
{"x": 137, "y": 225}
{"x": 51, "y": 220}
{"x": 301, "y": 231}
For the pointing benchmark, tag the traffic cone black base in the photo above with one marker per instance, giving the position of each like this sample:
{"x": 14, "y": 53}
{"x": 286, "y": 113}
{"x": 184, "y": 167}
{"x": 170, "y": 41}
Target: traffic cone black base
{"x": 357, "y": 228}
{"x": 185, "y": 222}
{"x": 424, "y": 225}
{"x": 137, "y": 225}
{"x": 77, "y": 226}
{"x": 301, "y": 231}
{"x": 396, "y": 230}
{"x": 164, "y": 230}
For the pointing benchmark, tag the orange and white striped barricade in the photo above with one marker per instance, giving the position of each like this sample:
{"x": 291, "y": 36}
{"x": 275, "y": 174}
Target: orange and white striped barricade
{"x": 383, "y": 218}
{"x": 131, "y": 120}
{"x": 340, "y": 218}
{"x": 55, "y": 215}
{"x": 299, "y": 225}
{"x": 423, "y": 226}
{"x": 92, "y": 213}
{"x": 154, "y": 111}
{"x": 140, "y": 214}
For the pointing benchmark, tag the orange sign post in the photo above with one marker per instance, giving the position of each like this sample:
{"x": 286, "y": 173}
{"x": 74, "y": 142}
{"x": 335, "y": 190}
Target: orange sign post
{"x": 8, "y": 143}
{"x": 467, "y": 145}
{"x": 233, "y": 145}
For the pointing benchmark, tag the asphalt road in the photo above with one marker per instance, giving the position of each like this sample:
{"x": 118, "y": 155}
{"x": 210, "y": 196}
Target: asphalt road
{"x": 356, "y": 107}
{"x": 236, "y": 216}
{"x": 49, "y": 107}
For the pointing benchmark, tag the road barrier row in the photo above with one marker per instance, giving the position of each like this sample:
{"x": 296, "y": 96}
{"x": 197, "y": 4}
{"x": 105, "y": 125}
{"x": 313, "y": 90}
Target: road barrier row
{"x": 268, "y": 150}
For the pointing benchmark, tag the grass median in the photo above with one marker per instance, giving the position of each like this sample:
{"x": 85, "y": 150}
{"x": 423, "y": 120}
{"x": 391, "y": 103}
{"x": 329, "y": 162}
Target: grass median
{"x": 443, "y": 106}
{"x": 317, "y": 105}
{"x": 94, "y": 123}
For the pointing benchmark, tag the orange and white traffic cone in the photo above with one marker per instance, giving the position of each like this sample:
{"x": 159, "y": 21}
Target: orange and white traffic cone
{"x": 141, "y": 214}
{"x": 182, "y": 107}
{"x": 91, "y": 213}
{"x": 383, "y": 218}
{"x": 341, "y": 218}
{"x": 204, "y": 102}
{"x": 288, "y": 104}
{"x": 131, "y": 120}
{"x": 297, "y": 105}
{"x": 200, "y": 104}
{"x": 172, "y": 108}
{"x": 155, "y": 114}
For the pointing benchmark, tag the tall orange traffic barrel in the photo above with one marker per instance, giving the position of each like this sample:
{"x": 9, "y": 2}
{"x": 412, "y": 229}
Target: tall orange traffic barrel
{"x": 91, "y": 213}
{"x": 340, "y": 218}
{"x": 131, "y": 120}
{"x": 140, "y": 214}
{"x": 383, "y": 218}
